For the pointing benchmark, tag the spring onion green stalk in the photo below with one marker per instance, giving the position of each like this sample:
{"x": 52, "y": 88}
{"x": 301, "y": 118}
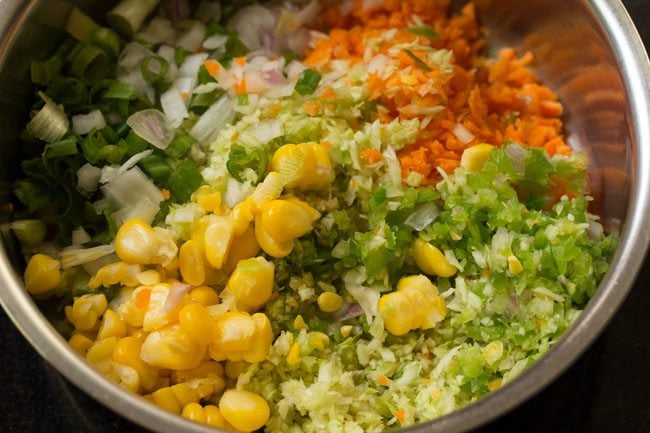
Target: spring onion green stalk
{"x": 156, "y": 168}
{"x": 107, "y": 40}
{"x": 89, "y": 63}
{"x": 29, "y": 232}
{"x": 127, "y": 17}
{"x": 50, "y": 124}
{"x": 184, "y": 181}
{"x": 180, "y": 145}
{"x": 154, "y": 68}
{"x": 80, "y": 25}
{"x": 308, "y": 82}
{"x": 44, "y": 72}
{"x": 65, "y": 147}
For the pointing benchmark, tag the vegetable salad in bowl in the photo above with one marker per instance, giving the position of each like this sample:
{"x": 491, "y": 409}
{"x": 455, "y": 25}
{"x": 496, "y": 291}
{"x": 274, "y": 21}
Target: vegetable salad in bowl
{"x": 302, "y": 216}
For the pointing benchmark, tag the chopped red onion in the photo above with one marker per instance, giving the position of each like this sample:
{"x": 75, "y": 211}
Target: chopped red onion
{"x": 462, "y": 133}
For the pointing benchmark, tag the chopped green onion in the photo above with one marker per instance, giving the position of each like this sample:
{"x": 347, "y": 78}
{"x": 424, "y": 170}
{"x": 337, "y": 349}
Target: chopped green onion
{"x": 69, "y": 92}
{"x": 204, "y": 76}
{"x": 112, "y": 153}
{"x": 154, "y": 68}
{"x": 89, "y": 63}
{"x": 185, "y": 179}
{"x": 65, "y": 147}
{"x": 107, "y": 40}
{"x": 234, "y": 48}
{"x": 127, "y": 17}
{"x": 29, "y": 232}
{"x": 156, "y": 168}
{"x": 123, "y": 130}
{"x": 424, "y": 30}
{"x": 242, "y": 159}
{"x": 120, "y": 90}
{"x": 180, "y": 145}
{"x": 242, "y": 99}
{"x": 50, "y": 124}
{"x": 135, "y": 143}
{"x": 109, "y": 134}
{"x": 418, "y": 61}
{"x": 308, "y": 82}
{"x": 179, "y": 56}
{"x": 32, "y": 193}
{"x": 80, "y": 25}
{"x": 213, "y": 28}
{"x": 44, "y": 72}
{"x": 202, "y": 101}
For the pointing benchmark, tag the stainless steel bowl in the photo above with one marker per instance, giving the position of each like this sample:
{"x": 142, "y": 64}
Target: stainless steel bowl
{"x": 586, "y": 50}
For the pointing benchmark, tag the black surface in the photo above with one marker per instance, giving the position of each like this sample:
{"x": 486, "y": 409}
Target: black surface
{"x": 606, "y": 391}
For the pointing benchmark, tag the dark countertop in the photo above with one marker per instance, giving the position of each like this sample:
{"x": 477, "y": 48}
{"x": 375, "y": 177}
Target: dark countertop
{"x": 606, "y": 391}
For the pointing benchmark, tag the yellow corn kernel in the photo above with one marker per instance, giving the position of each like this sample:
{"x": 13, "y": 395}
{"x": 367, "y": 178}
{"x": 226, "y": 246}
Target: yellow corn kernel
{"x": 244, "y": 410}
{"x": 158, "y": 313}
{"x": 42, "y": 274}
{"x": 190, "y": 262}
{"x": 134, "y": 241}
{"x": 270, "y": 246}
{"x": 86, "y": 311}
{"x": 128, "y": 377}
{"x": 205, "y": 370}
{"x": 127, "y": 352}
{"x": 314, "y": 215}
{"x": 210, "y": 202}
{"x": 243, "y": 247}
{"x": 112, "y": 326}
{"x": 202, "y": 191}
{"x": 116, "y": 273}
{"x": 235, "y": 368}
{"x": 431, "y": 260}
{"x": 213, "y": 418}
{"x": 293, "y": 357}
{"x": 204, "y": 295}
{"x": 150, "y": 277}
{"x": 493, "y": 351}
{"x": 397, "y": 311}
{"x": 196, "y": 322}
{"x": 235, "y": 331}
{"x": 474, "y": 157}
{"x": 329, "y": 302}
{"x": 252, "y": 282}
{"x": 166, "y": 399}
{"x": 346, "y": 330}
{"x": 318, "y": 340}
{"x": 194, "y": 412}
{"x": 80, "y": 343}
{"x": 261, "y": 341}
{"x": 514, "y": 265}
{"x": 286, "y": 156}
{"x": 100, "y": 354}
{"x": 218, "y": 237}
{"x": 242, "y": 216}
{"x": 285, "y": 221}
{"x": 184, "y": 394}
{"x": 171, "y": 348}
{"x": 429, "y": 306}
{"x": 299, "y": 322}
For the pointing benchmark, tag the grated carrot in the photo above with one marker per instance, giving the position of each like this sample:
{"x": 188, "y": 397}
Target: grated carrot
{"x": 142, "y": 298}
{"x": 382, "y": 380}
{"x": 166, "y": 194}
{"x": 213, "y": 67}
{"x": 241, "y": 86}
{"x": 241, "y": 61}
{"x": 371, "y": 156}
{"x": 400, "y": 415}
{"x": 312, "y": 108}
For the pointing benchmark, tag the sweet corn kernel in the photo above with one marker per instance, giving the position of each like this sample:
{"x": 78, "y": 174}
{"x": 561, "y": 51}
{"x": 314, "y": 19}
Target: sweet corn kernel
{"x": 135, "y": 241}
{"x": 171, "y": 348}
{"x": 299, "y": 322}
{"x": 493, "y": 351}
{"x": 100, "y": 354}
{"x": 196, "y": 322}
{"x": 262, "y": 339}
{"x": 128, "y": 377}
{"x": 243, "y": 247}
{"x": 80, "y": 343}
{"x": 42, "y": 274}
{"x": 431, "y": 260}
{"x": 271, "y": 246}
{"x": 329, "y": 302}
{"x": 286, "y": 156}
{"x": 184, "y": 394}
{"x": 150, "y": 277}
{"x": 127, "y": 352}
{"x": 218, "y": 237}
{"x": 318, "y": 340}
{"x": 204, "y": 295}
{"x": 293, "y": 357}
{"x": 346, "y": 330}
{"x": 210, "y": 202}
{"x": 252, "y": 282}
{"x": 235, "y": 368}
{"x": 116, "y": 273}
{"x": 514, "y": 265}
{"x": 158, "y": 312}
{"x": 194, "y": 412}
{"x": 314, "y": 215}
{"x": 397, "y": 311}
{"x": 244, "y": 410}
{"x": 285, "y": 221}
{"x": 242, "y": 215}
{"x": 190, "y": 263}
{"x": 86, "y": 311}
{"x": 213, "y": 418}
{"x": 235, "y": 331}
{"x": 112, "y": 326}
{"x": 474, "y": 157}
{"x": 166, "y": 399}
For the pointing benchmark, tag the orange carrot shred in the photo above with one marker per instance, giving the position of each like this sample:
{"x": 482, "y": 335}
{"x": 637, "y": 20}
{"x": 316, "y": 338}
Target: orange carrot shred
{"x": 372, "y": 156}
{"x": 213, "y": 67}
{"x": 142, "y": 298}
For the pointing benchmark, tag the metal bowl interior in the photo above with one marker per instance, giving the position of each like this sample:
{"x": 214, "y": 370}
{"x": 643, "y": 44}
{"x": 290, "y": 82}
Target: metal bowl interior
{"x": 588, "y": 51}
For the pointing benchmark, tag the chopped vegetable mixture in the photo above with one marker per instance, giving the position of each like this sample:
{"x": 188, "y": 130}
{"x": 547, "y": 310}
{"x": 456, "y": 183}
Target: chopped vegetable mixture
{"x": 303, "y": 216}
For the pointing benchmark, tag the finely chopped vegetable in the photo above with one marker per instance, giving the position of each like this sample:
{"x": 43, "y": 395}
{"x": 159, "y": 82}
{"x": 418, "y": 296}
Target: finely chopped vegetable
{"x": 305, "y": 216}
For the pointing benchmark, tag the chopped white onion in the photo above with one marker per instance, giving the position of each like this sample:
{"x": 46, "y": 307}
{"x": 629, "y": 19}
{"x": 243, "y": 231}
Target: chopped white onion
{"x": 71, "y": 257}
{"x": 93, "y": 267}
{"x": 422, "y": 217}
{"x": 206, "y": 88}
{"x": 294, "y": 69}
{"x": 169, "y": 54}
{"x": 266, "y": 130}
{"x": 133, "y": 193}
{"x": 128, "y": 68}
{"x": 82, "y": 124}
{"x": 176, "y": 294}
{"x": 215, "y": 41}
{"x": 211, "y": 122}
{"x": 192, "y": 38}
{"x": 235, "y": 193}
{"x": 151, "y": 125}
{"x": 252, "y": 23}
{"x": 111, "y": 172}
{"x": 185, "y": 85}
{"x": 393, "y": 166}
{"x": 80, "y": 236}
{"x": 88, "y": 178}
{"x": 208, "y": 11}
{"x": 191, "y": 65}
{"x": 462, "y": 133}
{"x": 159, "y": 30}
{"x": 173, "y": 106}
{"x": 143, "y": 209}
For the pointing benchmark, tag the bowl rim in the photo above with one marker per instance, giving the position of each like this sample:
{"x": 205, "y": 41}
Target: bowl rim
{"x": 632, "y": 59}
